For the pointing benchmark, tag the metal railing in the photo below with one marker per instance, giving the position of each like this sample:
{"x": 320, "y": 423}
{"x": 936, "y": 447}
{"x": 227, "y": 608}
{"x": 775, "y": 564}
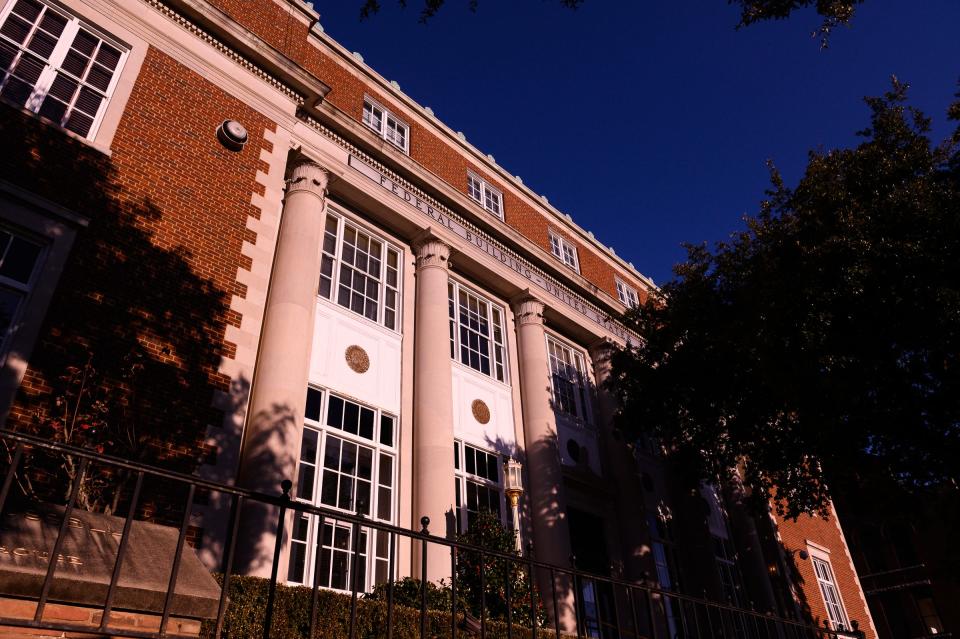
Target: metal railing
{"x": 600, "y": 607}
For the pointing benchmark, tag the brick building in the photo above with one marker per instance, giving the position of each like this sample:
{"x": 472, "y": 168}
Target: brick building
{"x": 278, "y": 265}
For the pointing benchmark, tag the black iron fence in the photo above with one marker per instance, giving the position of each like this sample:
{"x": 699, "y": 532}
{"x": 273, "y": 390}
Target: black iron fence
{"x": 122, "y": 602}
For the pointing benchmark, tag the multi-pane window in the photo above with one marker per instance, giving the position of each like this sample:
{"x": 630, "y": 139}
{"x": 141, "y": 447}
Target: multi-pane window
{"x": 488, "y": 197}
{"x": 56, "y": 66}
{"x": 19, "y": 257}
{"x": 477, "y": 332}
{"x": 568, "y": 374}
{"x": 565, "y": 251}
{"x": 347, "y": 463}
{"x": 478, "y": 487}
{"x": 387, "y": 125}
{"x": 724, "y": 553}
{"x": 666, "y": 564}
{"x": 360, "y": 271}
{"x": 726, "y": 559}
{"x": 627, "y": 294}
{"x": 831, "y": 597}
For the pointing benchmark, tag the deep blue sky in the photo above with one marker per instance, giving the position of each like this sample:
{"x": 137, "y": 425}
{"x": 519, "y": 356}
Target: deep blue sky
{"x": 650, "y": 122}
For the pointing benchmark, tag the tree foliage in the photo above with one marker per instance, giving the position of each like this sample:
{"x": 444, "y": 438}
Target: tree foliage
{"x": 431, "y": 7}
{"x": 821, "y": 344}
{"x": 833, "y": 12}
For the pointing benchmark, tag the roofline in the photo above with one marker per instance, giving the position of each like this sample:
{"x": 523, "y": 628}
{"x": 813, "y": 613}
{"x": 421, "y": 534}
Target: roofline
{"x": 485, "y": 161}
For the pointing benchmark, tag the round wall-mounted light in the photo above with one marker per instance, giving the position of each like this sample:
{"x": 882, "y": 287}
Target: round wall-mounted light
{"x": 232, "y": 135}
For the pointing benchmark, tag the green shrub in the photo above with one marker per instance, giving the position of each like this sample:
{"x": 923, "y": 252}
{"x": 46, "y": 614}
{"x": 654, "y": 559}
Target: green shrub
{"x": 407, "y": 593}
{"x": 291, "y": 615}
{"x": 486, "y": 531}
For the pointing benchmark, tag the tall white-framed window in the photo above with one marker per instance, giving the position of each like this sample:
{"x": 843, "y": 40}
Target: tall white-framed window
{"x": 724, "y": 552}
{"x": 478, "y": 483}
{"x": 348, "y": 463}
{"x": 569, "y": 380}
{"x": 477, "y": 336}
{"x": 666, "y": 563}
{"x": 488, "y": 197}
{"x": 836, "y": 613}
{"x": 57, "y": 66}
{"x": 20, "y": 257}
{"x": 564, "y": 250}
{"x": 387, "y": 125}
{"x": 627, "y": 294}
{"x": 360, "y": 271}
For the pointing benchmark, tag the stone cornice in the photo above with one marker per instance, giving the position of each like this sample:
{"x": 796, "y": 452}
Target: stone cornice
{"x": 240, "y": 39}
{"x": 485, "y": 162}
{"x": 262, "y": 58}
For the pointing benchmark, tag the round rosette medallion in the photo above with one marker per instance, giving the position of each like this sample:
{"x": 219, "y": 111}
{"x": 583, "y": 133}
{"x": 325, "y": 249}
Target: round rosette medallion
{"x": 481, "y": 412}
{"x": 357, "y": 359}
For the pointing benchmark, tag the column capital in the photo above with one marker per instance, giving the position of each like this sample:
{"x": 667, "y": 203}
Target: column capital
{"x": 307, "y": 176}
{"x": 431, "y": 251}
{"x": 528, "y": 309}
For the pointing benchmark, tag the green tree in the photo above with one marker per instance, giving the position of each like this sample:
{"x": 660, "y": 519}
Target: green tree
{"x": 833, "y": 12}
{"x": 431, "y": 7}
{"x": 822, "y": 343}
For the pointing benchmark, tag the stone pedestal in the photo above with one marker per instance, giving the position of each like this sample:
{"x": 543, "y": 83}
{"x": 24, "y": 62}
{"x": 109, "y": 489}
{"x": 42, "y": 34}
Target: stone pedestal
{"x": 271, "y": 439}
{"x": 84, "y": 568}
{"x": 433, "y": 487}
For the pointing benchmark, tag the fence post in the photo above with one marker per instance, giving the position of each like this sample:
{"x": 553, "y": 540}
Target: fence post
{"x": 285, "y": 485}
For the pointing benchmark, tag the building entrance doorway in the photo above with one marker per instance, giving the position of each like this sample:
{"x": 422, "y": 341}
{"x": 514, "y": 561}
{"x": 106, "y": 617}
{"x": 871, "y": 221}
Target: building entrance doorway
{"x": 588, "y": 542}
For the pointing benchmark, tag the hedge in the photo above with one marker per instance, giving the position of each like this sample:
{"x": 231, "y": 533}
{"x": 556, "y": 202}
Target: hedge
{"x": 291, "y": 616}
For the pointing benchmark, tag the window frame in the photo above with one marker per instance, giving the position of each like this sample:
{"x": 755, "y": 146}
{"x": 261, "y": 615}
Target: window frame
{"x": 627, "y": 294}
{"x": 497, "y": 353}
{"x": 462, "y": 477}
{"x": 313, "y": 536}
{"x": 822, "y": 558}
{"x": 56, "y": 227}
{"x": 335, "y": 262}
{"x": 23, "y": 289}
{"x": 564, "y": 250}
{"x": 382, "y": 130}
{"x": 485, "y": 192}
{"x": 582, "y": 400}
{"x": 52, "y": 65}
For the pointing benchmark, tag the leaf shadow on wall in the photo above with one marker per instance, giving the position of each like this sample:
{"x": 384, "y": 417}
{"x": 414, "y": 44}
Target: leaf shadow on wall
{"x": 149, "y": 327}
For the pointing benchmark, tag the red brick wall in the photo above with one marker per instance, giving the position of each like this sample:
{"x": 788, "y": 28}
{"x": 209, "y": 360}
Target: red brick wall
{"x": 285, "y": 32}
{"x": 153, "y": 275}
{"x": 825, "y": 533}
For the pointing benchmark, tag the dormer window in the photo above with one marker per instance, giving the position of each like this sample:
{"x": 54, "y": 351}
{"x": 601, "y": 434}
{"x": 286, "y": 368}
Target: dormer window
{"x": 627, "y": 294}
{"x": 565, "y": 251}
{"x": 487, "y": 196}
{"x": 386, "y": 125}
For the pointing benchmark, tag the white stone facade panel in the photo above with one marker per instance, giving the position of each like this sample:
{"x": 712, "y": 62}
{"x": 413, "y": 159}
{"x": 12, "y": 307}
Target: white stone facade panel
{"x": 499, "y": 433}
{"x": 335, "y": 330}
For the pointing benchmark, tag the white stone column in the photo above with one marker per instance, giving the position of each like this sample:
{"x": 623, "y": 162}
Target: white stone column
{"x": 551, "y": 532}
{"x": 271, "y": 438}
{"x": 433, "y": 487}
{"x": 621, "y": 470}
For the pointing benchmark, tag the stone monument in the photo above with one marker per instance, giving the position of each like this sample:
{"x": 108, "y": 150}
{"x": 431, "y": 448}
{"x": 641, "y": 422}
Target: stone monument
{"x": 85, "y": 565}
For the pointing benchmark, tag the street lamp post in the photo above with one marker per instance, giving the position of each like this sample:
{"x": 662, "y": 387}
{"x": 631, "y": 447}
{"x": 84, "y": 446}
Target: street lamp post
{"x": 514, "y": 488}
